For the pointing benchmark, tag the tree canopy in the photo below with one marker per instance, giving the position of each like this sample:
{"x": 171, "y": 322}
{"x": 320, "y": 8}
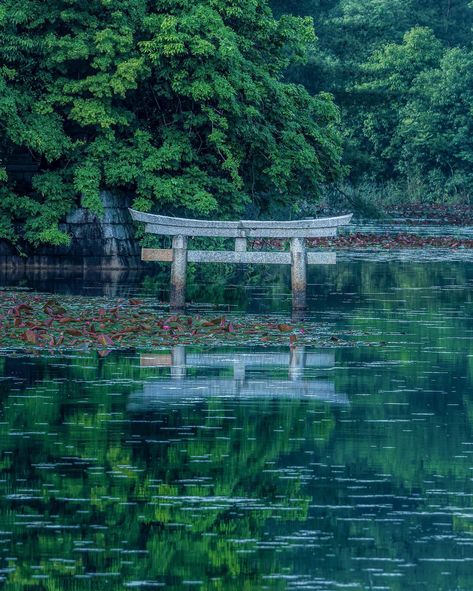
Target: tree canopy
{"x": 179, "y": 103}
{"x": 201, "y": 107}
{"x": 400, "y": 70}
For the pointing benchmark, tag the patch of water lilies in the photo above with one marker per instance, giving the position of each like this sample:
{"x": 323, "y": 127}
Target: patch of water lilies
{"x": 460, "y": 214}
{"x": 35, "y": 321}
{"x": 384, "y": 241}
{"x": 392, "y": 241}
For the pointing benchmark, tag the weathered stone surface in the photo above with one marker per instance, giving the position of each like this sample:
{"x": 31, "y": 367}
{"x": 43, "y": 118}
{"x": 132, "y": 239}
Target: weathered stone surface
{"x": 97, "y": 241}
{"x": 298, "y": 273}
{"x": 274, "y": 232}
{"x": 178, "y": 272}
{"x": 236, "y": 257}
{"x": 157, "y": 254}
{"x": 187, "y": 227}
{"x": 180, "y": 229}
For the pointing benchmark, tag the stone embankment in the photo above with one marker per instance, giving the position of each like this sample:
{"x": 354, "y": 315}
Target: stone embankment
{"x": 103, "y": 242}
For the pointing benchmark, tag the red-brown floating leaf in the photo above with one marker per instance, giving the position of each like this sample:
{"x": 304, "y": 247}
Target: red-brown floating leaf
{"x": 31, "y": 337}
{"x": 284, "y": 327}
{"x": 17, "y": 310}
{"x": 53, "y": 308}
{"x": 128, "y": 329}
{"x": 214, "y": 321}
{"x": 135, "y": 302}
{"x": 104, "y": 339}
{"x": 74, "y": 332}
{"x": 66, "y": 320}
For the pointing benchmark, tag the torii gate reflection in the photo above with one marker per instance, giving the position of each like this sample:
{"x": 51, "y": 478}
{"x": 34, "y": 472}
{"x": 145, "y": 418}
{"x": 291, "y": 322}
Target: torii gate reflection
{"x": 254, "y": 375}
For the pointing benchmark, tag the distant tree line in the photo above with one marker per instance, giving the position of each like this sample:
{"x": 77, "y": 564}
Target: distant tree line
{"x": 401, "y": 72}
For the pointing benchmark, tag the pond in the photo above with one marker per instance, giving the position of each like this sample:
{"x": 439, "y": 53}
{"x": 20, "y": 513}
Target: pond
{"x": 262, "y": 468}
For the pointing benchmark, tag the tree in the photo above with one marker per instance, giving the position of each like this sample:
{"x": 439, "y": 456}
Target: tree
{"x": 436, "y": 128}
{"x": 180, "y": 103}
{"x": 419, "y": 121}
{"x": 369, "y": 55}
{"x": 390, "y": 75}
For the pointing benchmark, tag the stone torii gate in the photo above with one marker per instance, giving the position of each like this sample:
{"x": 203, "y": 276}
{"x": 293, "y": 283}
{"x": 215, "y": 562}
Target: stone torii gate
{"x": 181, "y": 229}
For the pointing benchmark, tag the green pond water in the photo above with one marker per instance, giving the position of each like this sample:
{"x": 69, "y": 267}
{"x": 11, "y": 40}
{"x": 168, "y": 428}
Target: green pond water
{"x": 252, "y": 468}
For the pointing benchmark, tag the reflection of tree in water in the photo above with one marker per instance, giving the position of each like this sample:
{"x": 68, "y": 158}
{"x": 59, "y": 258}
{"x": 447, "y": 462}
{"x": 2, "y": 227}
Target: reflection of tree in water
{"x": 201, "y": 499}
{"x": 176, "y": 495}
{"x": 369, "y": 281}
{"x": 405, "y": 494}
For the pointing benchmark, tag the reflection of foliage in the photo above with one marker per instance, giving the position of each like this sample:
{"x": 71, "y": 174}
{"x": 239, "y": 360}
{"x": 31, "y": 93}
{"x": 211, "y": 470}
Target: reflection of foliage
{"x": 227, "y": 285}
{"x": 196, "y": 489}
{"x": 163, "y": 497}
{"x": 411, "y": 309}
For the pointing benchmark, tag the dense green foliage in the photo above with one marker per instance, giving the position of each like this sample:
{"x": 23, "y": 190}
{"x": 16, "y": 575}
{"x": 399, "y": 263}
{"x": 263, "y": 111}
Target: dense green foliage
{"x": 180, "y": 103}
{"x": 199, "y": 106}
{"x": 401, "y": 72}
